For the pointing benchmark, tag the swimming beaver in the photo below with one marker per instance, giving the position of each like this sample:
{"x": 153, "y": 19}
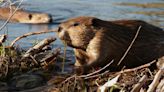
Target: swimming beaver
{"x": 96, "y": 42}
{"x": 22, "y": 16}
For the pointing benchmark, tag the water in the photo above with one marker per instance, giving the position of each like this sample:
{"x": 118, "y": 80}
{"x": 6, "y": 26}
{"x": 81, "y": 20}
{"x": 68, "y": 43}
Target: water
{"x": 61, "y": 10}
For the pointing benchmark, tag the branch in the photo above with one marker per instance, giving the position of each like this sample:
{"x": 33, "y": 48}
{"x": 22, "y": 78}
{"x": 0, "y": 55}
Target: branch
{"x": 160, "y": 87}
{"x": 156, "y": 80}
{"x": 90, "y": 74}
{"x": 137, "y": 68}
{"x": 125, "y": 71}
{"x": 38, "y": 47}
{"x": 29, "y": 34}
{"x": 97, "y": 70}
{"x": 135, "y": 37}
{"x": 139, "y": 85}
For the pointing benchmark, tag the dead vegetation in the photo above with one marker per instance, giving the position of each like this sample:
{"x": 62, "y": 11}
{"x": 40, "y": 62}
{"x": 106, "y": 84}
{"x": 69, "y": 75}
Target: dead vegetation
{"x": 34, "y": 71}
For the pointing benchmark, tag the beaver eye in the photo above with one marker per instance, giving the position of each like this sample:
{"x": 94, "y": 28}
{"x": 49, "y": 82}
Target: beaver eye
{"x": 30, "y": 16}
{"x": 76, "y": 24}
{"x": 59, "y": 29}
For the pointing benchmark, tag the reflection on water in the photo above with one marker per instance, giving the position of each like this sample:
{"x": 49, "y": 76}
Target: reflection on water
{"x": 148, "y": 10}
{"x": 144, "y": 5}
{"x": 151, "y": 13}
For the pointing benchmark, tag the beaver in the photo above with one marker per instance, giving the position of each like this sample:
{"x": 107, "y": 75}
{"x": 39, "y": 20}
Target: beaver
{"x": 23, "y": 16}
{"x": 96, "y": 42}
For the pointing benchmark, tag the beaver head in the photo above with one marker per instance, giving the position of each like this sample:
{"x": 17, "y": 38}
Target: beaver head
{"x": 34, "y": 18}
{"x": 77, "y": 32}
{"x": 23, "y": 16}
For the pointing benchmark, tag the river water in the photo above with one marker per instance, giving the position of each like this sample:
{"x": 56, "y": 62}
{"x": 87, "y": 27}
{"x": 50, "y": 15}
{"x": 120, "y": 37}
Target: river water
{"x": 61, "y": 10}
{"x": 151, "y": 11}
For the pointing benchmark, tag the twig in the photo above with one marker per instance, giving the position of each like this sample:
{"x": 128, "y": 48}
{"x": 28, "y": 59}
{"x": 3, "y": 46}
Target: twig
{"x": 50, "y": 58}
{"x": 64, "y": 57}
{"x": 149, "y": 71}
{"x": 97, "y": 70}
{"x": 137, "y": 68}
{"x": 35, "y": 62}
{"x": 89, "y": 77}
{"x": 11, "y": 15}
{"x": 126, "y": 70}
{"x": 160, "y": 85}
{"x": 51, "y": 55}
{"x": 90, "y": 74}
{"x": 75, "y": 82}
{"x": 139, "y": 85}
{"x": 73, "y": 76}
{"x": 38, "y": 47}
{"x": 136, "y": 35}
{"x": 29, "y": 34}
{"x": 156, "y": 80}
{"x": 45, "y": 64}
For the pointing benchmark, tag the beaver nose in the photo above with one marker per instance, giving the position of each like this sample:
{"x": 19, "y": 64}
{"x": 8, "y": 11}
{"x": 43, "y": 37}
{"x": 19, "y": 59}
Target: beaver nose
{"x": 50, "y": 19}
{"x": 59, "y": 29}
{"x": 61, "y": 33}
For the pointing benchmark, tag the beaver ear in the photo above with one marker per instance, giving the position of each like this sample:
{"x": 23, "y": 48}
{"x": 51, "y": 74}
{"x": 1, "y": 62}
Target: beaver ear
{"x": 30, "y": 16}
{"x": 95, "y": 22}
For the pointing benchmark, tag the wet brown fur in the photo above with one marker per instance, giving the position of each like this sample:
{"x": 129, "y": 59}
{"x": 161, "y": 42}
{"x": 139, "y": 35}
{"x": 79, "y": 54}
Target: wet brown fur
{"x": 96, "y": 42}
{"x": 23, "y": 16}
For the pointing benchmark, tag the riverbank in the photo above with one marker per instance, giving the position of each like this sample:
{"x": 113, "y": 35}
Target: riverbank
{"x": 37, "y": 69}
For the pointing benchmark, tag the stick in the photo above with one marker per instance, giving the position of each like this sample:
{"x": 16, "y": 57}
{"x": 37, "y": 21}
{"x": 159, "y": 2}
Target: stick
{"x": 97, "y": 75}
{"x": 29, "y": 34}
{"x": 137, "y": 68}
{"x": 97, "y": 70}
{"x": 156, "y": 80}
{"x": 90, "y": 74}
{"x": 160, "y": 86}
{"x": 136, "y": 35}
{"x": 139, "y": 85}
{"x": 34, "y": 60}
{"x": 73, "y": 76}
{"x": 126, "y": 70}
{"x": 38, "y": 47}
{"x": 51, "y": 55}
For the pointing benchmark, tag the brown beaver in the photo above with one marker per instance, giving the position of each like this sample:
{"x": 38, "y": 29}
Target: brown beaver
{"x": 23, "y": 16}
{"x": 96, "y": 42}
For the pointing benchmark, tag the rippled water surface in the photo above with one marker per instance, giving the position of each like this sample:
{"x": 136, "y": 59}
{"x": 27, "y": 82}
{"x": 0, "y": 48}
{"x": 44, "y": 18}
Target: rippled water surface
{"x": 63, "y": 9}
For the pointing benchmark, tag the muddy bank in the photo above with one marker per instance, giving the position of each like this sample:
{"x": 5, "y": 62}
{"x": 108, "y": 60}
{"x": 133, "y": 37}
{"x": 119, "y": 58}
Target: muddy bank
{"x": 26, "y": 69}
